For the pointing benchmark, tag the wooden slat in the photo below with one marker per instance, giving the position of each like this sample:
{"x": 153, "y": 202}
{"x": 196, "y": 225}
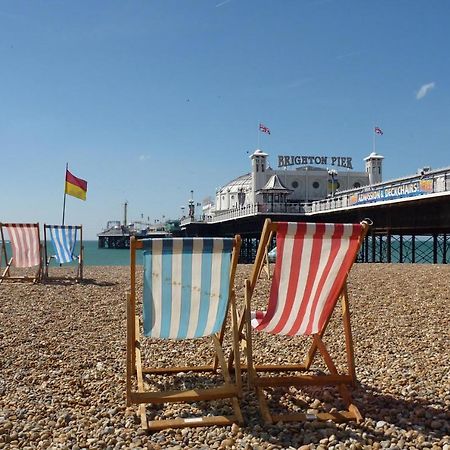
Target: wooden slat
{"x": 191, "y": 395}
{"x": 162, "y": 370}
{"x": 342, "y": 416}
{"x": 276, "y": 367}
{"x": 157, "y": 425}
{"x": 140, "y": 379}
{"x": 319, "y": 380}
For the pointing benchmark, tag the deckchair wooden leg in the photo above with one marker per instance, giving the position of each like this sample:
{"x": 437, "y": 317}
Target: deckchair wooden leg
{"x": 348, "y": 335}
{"x": 251, "y": 372}
{"x": 263, "y": 406}
{"x": 140, "y": 380}
{"x": 6, "y": 271}
{"x": 343, "y": 390}
{"x": 240, "y": 336}
{"x": 235, "y": 347}
{"x": 131, "y": 343}
{"x": 227, "y": 377}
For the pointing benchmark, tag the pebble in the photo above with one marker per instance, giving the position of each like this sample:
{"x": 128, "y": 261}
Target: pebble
{"x": 63, "y": 364}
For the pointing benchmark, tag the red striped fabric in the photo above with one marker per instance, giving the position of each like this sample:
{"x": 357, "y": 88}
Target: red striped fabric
{"x": 25, "y": 244}
{"x": 72, "y": 179}
{"x": 312, "y": 264}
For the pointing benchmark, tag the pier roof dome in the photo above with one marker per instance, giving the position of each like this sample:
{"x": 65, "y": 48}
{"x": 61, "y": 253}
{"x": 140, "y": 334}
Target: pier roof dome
{"x": 242, "y": 181}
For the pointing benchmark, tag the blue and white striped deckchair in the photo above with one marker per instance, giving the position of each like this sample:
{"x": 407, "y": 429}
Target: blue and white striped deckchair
{"x": 187, "y": 290}
{"x": 64, "y": 239}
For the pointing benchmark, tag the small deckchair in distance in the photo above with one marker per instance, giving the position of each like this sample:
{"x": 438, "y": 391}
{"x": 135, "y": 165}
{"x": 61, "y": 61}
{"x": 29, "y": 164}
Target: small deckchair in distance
{"x": 311, "y": 269}
{"x": 188, "y": 291}
{"x": 26, "y": 250}
{"x": 64, "y": 239}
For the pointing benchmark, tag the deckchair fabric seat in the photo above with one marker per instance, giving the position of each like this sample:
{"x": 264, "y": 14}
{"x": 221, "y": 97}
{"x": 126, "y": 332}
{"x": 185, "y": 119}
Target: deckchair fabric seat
{"x": 191, "y": 277}
{"x": 24, "y": 238}
{"x": 26, "y": 250}
{"x": 64, "y": 241}
{"x": 301, "y": 300}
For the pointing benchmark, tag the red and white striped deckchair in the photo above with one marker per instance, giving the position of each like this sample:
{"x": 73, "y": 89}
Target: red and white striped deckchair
{"x": 311, "y": 269}
{"x": 26, "y": 250}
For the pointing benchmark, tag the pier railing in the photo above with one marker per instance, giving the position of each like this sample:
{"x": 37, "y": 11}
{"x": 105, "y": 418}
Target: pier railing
{"x": 415, "y": 186}
{"x": 435, "y": 182}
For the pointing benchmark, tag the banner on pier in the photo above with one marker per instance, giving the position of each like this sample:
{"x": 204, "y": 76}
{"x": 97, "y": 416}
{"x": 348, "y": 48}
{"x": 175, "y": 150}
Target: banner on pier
{"x": 414, "y": 188}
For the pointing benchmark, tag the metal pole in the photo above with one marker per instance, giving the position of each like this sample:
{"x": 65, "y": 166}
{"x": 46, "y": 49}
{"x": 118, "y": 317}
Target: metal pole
{"x": 401, "y": 249}
{"x": 64, "y": 202}
{"x": 444, "y": 249}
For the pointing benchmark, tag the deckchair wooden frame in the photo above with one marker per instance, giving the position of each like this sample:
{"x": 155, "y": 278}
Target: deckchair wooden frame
{"x": 6, "y": 274}
{"x": 79, "y": 274}
{"x": 265, "y": 265}
{"x": 259, "y": 383}
{"x": 135, "y": 369}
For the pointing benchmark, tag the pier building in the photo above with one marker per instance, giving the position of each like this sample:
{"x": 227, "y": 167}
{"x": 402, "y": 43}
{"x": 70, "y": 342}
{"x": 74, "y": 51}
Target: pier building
{"x": 298, "y": 180}
{"x": 411, "y": 215}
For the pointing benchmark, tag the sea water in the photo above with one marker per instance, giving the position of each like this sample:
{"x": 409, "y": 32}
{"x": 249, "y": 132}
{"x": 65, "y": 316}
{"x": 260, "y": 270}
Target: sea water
{"x": 94, "y": 256}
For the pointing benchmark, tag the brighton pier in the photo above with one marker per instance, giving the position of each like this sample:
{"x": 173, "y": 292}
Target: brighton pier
{"x": 410, "y": 215}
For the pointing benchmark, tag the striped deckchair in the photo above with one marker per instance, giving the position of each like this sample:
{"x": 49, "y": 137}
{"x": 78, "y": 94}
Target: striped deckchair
{"x": 311, "y": 269}
{"x": 26, "y": 250}
{"x": 188, "y": 290}
{"x": 64, "y": 240}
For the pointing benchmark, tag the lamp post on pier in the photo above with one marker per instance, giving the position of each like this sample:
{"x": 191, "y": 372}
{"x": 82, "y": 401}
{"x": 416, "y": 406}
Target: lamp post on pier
{"x": 332, "y": 173}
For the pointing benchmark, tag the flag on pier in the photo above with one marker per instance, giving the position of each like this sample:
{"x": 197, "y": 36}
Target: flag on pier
{"x": 264, "y": 129}
{"x": 76, "y": 187}
{"x": 378, "y": 130}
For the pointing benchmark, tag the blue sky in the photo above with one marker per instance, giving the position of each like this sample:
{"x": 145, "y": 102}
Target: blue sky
{"x": 148, "y": 100}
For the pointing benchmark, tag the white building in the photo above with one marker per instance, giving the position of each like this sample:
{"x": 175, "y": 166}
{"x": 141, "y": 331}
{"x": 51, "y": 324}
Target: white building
{"x": 297, "y": 185}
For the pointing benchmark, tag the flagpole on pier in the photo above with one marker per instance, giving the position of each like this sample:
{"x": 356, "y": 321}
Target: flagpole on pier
{"x": 374, "y": 137}
{"x": 259, "y": 133}
{"x": 64, "y": 202}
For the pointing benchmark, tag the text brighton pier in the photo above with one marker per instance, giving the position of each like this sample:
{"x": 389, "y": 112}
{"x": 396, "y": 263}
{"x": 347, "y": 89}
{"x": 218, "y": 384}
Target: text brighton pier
{"x": 340, "y": 161}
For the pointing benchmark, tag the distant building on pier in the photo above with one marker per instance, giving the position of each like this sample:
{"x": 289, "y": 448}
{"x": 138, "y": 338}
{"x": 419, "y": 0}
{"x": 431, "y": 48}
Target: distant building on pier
{"x": 298, "y": 180}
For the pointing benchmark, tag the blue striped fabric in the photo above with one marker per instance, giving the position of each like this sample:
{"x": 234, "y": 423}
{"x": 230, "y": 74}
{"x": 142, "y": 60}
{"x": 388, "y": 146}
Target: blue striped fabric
{"x": 186, "y": 284}
{"x": 63, "y": 239}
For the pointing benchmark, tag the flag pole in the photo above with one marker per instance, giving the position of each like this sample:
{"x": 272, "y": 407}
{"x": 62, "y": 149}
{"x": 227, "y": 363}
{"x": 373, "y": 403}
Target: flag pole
{"x": 258, "y": 136}
{"x": 64, "y": 202}
{"x": 374, "y": 137}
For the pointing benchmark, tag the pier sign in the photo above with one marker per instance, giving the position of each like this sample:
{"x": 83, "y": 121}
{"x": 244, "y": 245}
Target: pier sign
{"x": 338, "y": 161}
{"x": 417, "y": 187}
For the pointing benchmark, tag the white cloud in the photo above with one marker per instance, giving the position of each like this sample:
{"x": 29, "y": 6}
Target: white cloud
{"x": 424, "y": 90}
{"x": 348, "y": 55}
{"x": 222, "y": 3}
{"x": 144, "y": 157}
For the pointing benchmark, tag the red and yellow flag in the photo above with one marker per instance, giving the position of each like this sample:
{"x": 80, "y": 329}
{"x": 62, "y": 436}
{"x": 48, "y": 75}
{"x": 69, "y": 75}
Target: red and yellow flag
{"x": 75, "y": 186}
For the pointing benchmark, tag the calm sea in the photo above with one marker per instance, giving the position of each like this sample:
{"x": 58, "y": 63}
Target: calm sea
{"x": 94, "y": 256}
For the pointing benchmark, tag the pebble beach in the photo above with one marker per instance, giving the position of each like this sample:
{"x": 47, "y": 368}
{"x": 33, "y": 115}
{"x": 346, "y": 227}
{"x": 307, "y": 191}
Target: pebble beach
{"x": 63, "y": 354}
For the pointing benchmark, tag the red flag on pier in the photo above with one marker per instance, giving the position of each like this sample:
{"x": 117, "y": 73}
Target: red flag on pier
{"x": 378, "y": 130}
